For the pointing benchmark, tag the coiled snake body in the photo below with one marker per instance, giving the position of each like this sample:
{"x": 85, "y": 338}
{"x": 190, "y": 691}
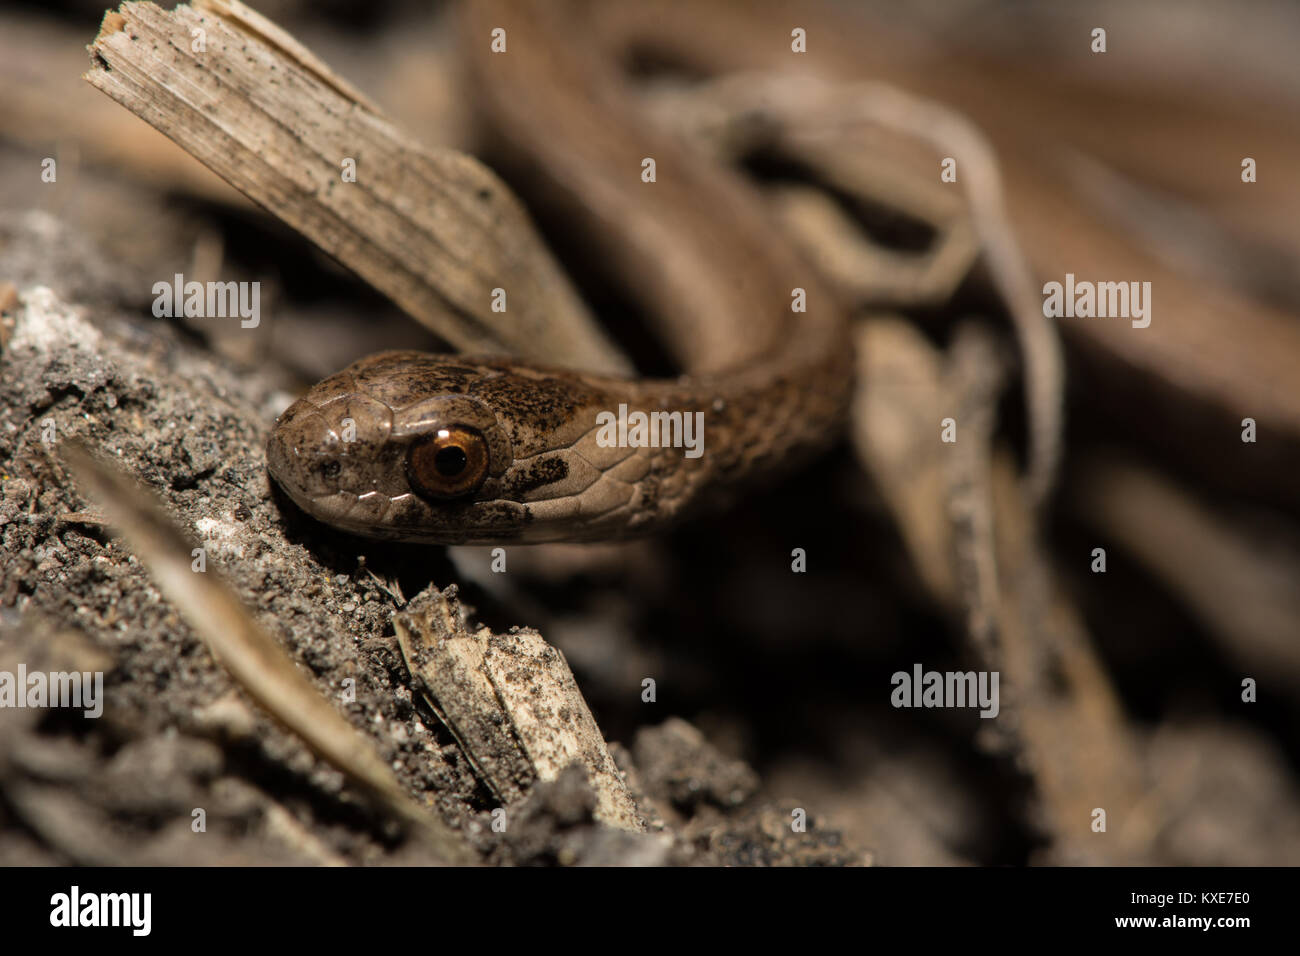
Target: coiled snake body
{"x": 454, "y": 449}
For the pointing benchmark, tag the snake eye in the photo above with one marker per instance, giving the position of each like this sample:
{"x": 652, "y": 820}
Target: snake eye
{"x": 450, "y": 463}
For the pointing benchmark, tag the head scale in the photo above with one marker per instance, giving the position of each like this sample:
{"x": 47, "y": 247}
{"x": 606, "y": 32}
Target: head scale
{"x": 438, "y": 449}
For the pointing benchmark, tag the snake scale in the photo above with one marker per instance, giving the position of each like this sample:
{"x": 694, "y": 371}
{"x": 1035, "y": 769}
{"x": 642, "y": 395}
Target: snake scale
{"x": 456, "y": 449}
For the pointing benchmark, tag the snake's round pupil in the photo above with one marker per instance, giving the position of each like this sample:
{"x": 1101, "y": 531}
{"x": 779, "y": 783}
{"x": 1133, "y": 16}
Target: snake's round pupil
{"x": 450, "y": 461}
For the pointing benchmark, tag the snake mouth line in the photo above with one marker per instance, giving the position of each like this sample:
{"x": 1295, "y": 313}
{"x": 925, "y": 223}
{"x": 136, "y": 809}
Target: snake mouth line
{"x": 340, "y": 506}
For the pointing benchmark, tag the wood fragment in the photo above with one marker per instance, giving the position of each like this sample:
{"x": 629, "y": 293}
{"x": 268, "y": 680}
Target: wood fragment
{"x": 512, "y": 704}
{"x": 1076, "y": 739}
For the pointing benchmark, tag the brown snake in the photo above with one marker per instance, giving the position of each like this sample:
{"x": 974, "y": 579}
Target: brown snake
{"x": 465, "y": 450}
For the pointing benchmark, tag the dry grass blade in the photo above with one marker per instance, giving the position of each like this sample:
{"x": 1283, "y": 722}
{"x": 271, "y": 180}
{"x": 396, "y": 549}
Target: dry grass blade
{"x": 434, "y": 229}
{"x": 251, "y": 656}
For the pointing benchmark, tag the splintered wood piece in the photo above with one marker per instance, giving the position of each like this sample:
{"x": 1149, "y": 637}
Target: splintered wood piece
{"x": 434, "y": 229}
{"x": 512, "y": 704}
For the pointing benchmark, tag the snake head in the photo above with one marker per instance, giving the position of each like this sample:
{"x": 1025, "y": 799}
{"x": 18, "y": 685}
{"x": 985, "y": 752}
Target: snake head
{"x": 442, "y": 449}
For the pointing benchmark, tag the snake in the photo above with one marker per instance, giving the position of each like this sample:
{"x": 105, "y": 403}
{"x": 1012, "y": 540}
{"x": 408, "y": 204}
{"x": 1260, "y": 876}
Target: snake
{"x": 466, "y": 449}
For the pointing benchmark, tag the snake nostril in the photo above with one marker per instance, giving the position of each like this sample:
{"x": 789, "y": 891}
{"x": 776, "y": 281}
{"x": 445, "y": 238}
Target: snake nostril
{"x": 331, "y": 469}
